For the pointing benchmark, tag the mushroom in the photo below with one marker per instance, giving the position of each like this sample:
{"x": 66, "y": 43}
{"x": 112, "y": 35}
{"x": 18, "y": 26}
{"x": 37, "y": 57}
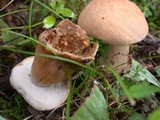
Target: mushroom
{"x": 42, "y": 81}
{"x": 116, "y": 22}
{"x": 40, "y": 98}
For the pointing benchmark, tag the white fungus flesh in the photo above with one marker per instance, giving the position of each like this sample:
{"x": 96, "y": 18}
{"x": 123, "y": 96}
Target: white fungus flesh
{"x": 40, "y": 98}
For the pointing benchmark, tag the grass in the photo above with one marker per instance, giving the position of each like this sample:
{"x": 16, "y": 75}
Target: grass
{"x": 122, "y": 104}
{"x": 14, "y": 108}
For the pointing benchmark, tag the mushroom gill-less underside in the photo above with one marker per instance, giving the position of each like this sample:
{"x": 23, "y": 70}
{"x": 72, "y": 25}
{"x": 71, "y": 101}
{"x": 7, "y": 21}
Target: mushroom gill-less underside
{"x": 70, "y": 41}
{"x": 67, "y": 40}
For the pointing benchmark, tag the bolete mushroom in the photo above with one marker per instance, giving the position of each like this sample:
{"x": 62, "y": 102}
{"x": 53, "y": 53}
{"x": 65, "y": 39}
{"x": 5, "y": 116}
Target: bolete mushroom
{"x": 116, "y": 22}
{"x": 42, "y": 81}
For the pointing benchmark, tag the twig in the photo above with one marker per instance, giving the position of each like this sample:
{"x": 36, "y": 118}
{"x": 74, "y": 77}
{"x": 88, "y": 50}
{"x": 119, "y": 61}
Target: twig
{"x": 151, "y": 40}
{"x": 52, "y": 112}
{"x": 6, "y": 5}
{"x": 63, "y": 114}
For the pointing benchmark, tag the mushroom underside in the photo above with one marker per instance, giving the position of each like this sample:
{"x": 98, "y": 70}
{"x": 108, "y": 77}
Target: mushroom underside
{"x": 67, "y": 40}
{"x": 40, "y": 98}
{"x": 70, "y": 41}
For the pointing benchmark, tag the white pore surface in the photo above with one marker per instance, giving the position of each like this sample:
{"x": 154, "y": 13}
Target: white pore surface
{"x": 40, "y": 98}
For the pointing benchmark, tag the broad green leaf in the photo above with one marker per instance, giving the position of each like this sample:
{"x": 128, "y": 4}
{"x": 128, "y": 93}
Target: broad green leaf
{"x": 3, "y": 24}
{"x": 49, "y": 21}
{"x": 53, "y": 4}
{"x": 94, "y": 107}
{"x": 140, "y": 73}
{"x": 136, "y": 116}
{"x": 60, "y": 5}
{"x": 158, "y": 71}
{"x": 67, "y": 13}
{"x": 57, "y": 5}
{"x": 2, "y": 118}
{"x": 147, "y": 12}
{"x": 142, "y": 91}
{"x": 7, "y": 38}
{"x": 154, "y": 115}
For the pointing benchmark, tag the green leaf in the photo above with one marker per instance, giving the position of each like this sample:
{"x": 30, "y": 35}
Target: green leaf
{"x": 137, "y": 116}
{"x": 60, "y": 5}
{"x": 158, "y": 71}
{"x": 122, "y": 84}
{"x": 147, "y": 12}
{"x": 103, "y": 49}
{"x": 67, "y": 13}
{"x": 57, "y": 5}
{"x": 2, "y": 118}
{"x": 53, "y": 4}
{"x": 94, "y": 107}
{"x": 142, "y": 91}
{"x": 154, "y": 115}
{"x": 139, "y": 73}
{"x": 6, "y": 37}
{"x": 49, "y": 21}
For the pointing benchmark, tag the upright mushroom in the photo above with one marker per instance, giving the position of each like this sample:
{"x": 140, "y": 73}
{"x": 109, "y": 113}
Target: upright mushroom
{"x": 117, "y": 22}
{"x": 43, "y": 81}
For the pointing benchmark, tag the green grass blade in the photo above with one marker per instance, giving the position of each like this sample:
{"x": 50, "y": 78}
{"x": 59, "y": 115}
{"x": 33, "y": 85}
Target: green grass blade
{"x": 70, "y": 95}
{"x": 30, "y": 19}
{"x": 122, "y": 84}
{"x": 12, "y": 12}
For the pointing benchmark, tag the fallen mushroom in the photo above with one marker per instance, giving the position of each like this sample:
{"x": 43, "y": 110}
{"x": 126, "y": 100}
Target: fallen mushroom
{"x": 66, "y": 40}
{"x": 41, "y": 98}
{"x": 117, "y": 22}
{"x": 42, "y": 81}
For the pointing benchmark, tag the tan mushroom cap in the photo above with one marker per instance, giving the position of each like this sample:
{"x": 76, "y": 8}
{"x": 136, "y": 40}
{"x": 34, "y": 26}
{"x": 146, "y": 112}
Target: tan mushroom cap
{"x": 114, "y": 21}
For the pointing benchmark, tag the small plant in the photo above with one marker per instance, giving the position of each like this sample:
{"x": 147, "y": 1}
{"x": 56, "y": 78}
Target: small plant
{"x": 15, "y": 108}
{"x": 59, "y": 10}
{"x": 151, "y": 10}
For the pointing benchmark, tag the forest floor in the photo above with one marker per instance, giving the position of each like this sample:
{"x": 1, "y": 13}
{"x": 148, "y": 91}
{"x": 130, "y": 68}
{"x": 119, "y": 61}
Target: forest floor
{"x": 12, "y": 104}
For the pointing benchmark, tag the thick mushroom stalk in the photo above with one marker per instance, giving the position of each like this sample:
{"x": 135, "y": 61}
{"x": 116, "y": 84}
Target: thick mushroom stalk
{"x": 117, "y": 55}
{"x": 66, "y": 40}
{"x": 116, "y": 22}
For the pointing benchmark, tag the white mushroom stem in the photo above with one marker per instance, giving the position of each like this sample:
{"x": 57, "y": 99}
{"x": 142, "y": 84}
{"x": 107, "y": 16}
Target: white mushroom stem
{"x": 117, "y": 55}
